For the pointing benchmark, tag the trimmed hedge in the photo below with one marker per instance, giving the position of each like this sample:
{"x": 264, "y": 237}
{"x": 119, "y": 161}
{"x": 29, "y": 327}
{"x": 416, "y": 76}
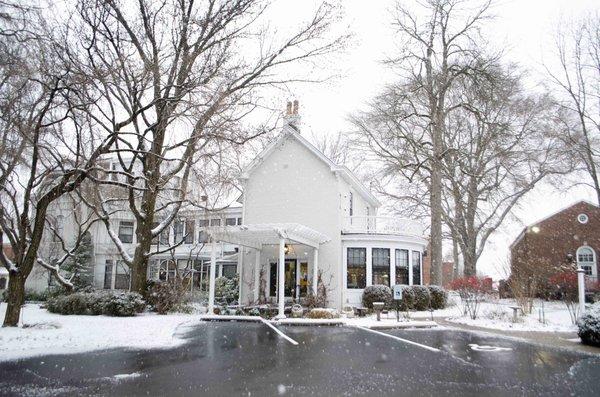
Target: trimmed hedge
{"x": 377, "y": 293}
{"x": 439, "y": 297}
{"x": 322, "y": 313}
{"x": 117, "y": 304}
{"x": 589, "y": 326}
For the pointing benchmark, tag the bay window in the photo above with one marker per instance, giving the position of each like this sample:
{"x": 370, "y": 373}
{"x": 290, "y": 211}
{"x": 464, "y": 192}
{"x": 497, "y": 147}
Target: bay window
{"x": 402, "y": 267}
{"x": 381, "y": 266}
{"x": 416, "y": 265}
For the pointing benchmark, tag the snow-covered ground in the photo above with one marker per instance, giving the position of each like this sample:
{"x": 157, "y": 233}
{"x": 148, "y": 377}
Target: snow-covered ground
{"x": 47, "y": 333}
{"x": 498, "y": 315}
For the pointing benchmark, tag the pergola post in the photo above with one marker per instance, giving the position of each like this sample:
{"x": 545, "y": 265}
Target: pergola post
{"x": 257, "y": 276}
{"x": 315, "y": 275}
{"x": 281, "y": 278}
{"x": 213, "y": 271}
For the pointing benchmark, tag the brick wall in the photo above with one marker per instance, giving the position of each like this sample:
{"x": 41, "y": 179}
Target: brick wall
{"x": 549, "y": 241}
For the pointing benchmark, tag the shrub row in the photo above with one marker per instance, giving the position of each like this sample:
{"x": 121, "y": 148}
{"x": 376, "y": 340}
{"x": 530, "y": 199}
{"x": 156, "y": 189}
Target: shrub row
{"x": 119, "y": 304}
{"x": 414, "y": 297}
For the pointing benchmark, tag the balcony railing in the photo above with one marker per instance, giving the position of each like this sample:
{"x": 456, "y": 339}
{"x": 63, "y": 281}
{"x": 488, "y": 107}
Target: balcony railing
{"x": 382, "y": 225}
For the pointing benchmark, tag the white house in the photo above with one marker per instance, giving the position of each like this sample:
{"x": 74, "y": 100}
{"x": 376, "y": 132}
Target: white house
{"x": 304, "y": 214}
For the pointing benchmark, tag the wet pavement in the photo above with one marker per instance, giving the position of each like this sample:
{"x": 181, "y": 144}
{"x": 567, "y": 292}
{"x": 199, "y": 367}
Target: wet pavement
{"x": 227, "y": 358}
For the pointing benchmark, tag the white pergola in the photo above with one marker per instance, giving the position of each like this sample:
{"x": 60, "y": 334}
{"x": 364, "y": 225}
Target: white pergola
{"x": 256, "y": 236}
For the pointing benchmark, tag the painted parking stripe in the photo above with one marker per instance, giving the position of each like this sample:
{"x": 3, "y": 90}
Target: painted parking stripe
{"x": 293, "y": 342}
{"x": 410, "y": 342}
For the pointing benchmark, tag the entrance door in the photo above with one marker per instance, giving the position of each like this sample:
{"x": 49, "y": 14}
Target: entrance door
{"x": 289, "y": 278}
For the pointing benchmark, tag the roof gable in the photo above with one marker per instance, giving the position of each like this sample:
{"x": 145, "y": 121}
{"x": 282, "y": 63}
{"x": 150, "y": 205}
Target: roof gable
{"x": 343, "y": 171}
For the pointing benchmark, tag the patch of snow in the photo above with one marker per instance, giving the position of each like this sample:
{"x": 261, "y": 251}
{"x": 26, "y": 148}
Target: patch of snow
{"x": 498, "y": 315}
{"x": 77, "y": 334}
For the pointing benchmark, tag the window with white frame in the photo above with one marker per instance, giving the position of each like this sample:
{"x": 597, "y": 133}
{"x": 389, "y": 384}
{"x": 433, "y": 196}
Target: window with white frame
{"x": 178, "y": 231}
{"x": 230, "y": 221}
{"x": 164, "y": 236}
{"x": 108, "y": 271}
{"x": 586, "y": 260}
{"x": 402, "y": 267}
{"x": 190, "y": 231}
{"x": 215, "y": 222}
{"x": 356, "y": 268}
{"x": 202, "y": 235}
{"x": 380, "y": 268}
{"x": 126, "y": 231}
{"x": 416, "y": 265}
{"x": 122, "y": 276}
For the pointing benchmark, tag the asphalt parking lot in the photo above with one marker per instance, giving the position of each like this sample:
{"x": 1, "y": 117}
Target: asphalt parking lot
{"x": 230, "y": 358}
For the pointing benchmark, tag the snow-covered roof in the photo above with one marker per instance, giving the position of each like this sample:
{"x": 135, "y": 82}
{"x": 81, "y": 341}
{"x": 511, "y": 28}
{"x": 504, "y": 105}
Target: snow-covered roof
{"x": 257, "y": 235}
{"x": 343, "y": 171}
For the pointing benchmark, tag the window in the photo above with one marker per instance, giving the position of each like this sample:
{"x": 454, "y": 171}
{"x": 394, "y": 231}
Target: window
{"x": 239, "y": 221}
{"x": 178, "y": 232}
{"x": 351, "y": 206}
{"x": 402, "y": 267}
{"x": 201, "y": 274}
{"x": 108, "y": 269}
{"x": 168, "y": 270}
{"x": 582, "y": 218}
{"x": 122, "y": 276}
{"x": 164, "y": 236}
{"x": 586, "y": 260}
{"x": 230, "y": 222}
{"x": 202, "y": 235}
{"x": 416, "y": 265}
{"x": 229, "y": 270}
{"x": 155, "y": 239}
{"x": 381, "y": 266}
{"x": 215, "y": 222}
{"x": 126, "y": 231}
{"x": 153, "y": 269}
{"x": 356, "y": 268}
{"x": 190, "y": 231}
{"x": 184, "y": 267}
{"x": 58, "y": 229}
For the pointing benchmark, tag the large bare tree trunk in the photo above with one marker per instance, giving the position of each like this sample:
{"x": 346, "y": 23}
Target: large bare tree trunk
{"x": 436, "y": 225}
{"x": 470, "y": 258}
{"x": 16, "y": 298}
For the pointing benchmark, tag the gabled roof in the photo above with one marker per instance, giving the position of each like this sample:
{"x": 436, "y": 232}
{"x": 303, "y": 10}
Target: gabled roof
{"x": 343, "y": 171}
{"x": 522, "y": 234}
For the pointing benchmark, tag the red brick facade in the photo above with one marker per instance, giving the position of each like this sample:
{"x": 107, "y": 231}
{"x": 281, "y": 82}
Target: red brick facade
{"x": 550, "y": 241}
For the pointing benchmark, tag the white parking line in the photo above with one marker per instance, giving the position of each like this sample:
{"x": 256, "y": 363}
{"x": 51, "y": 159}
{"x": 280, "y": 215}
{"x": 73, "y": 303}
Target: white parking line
{"x": 293, "y": 342}
{"x": 433, "y": 349}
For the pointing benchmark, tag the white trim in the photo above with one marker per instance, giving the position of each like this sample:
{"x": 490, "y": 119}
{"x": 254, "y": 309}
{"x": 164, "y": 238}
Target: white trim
{"x": 594, "y": 264}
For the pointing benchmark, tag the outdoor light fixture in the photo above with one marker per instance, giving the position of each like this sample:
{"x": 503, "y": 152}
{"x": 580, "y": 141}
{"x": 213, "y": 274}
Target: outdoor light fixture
{"x": 535, "y": 229}
{"x": 286, "y": 249}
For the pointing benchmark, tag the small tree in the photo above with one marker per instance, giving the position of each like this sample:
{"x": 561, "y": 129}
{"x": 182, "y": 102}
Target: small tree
{"x": 565, "y": 284}
{"x": 80, "y": 269}
{"x": 472, "y": 291}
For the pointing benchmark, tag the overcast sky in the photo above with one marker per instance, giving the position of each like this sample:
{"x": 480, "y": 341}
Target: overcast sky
{"x": 523, "y": 27}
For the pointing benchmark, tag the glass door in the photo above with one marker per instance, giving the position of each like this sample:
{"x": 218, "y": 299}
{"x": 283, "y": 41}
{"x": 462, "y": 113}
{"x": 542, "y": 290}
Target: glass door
{"x": 289, "y": 278}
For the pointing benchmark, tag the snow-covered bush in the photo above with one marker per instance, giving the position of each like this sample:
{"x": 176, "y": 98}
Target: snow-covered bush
{"x": 439, "y": 297}
{"x": 167, "y": 296}
{"x": 377, "y": 293}
{"x": 422, "y": 297}
{"x": 226, "y": 290}
{"x": 589, "y": 326}
{"x": 408, "y": 299}
{"x": 323, "y": 313}
{"x": 94, "y": 303}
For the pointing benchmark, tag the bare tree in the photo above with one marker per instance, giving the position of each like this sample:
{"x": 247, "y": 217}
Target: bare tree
{"x": 437, "y": 48}
{"x": 577, "y": 85}
{"x": 47, "y": 149}
{"x": 187, "y": 75}
{"x": 498, "y": 148}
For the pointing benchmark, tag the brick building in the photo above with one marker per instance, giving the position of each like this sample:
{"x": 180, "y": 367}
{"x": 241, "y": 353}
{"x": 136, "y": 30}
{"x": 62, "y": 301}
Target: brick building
{"x": 573, "y": 232}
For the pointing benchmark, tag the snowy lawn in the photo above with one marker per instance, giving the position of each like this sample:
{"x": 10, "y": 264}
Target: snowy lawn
{"x": 498, "y": 315}
{"x": 48, "y": 333}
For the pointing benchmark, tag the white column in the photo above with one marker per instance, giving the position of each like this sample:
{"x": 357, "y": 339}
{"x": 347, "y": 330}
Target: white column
{"x": 257, "y": 276}
{"x": 211, "y": 283}
{"x": 581, "y": 287}
{"x": 281, "y": 279}
{"x": 315, "y": 274}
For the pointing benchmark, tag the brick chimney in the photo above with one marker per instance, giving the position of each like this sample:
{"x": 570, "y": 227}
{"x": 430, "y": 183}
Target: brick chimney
{"x": 292, "y": 118}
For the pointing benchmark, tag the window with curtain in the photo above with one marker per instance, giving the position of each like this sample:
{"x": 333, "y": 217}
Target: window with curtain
{"x": 356, "y": 268}
{"x": 402, "y": 267}
{"x": 126, "y": 231}
{"x": 380, "y": 269}
{"x": 416, "y": 265}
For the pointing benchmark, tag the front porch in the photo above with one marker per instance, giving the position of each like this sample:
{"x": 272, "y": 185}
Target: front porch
{"x": 291, "y": 253}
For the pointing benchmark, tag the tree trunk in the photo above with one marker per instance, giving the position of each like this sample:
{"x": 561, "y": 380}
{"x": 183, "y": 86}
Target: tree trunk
{"x": 16, "y": 298}
{"x": 455, "y": 257}
{"x": 436, "y": 202}
{"x": 139, "y": 267}
{"x": 470, "y": 261}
